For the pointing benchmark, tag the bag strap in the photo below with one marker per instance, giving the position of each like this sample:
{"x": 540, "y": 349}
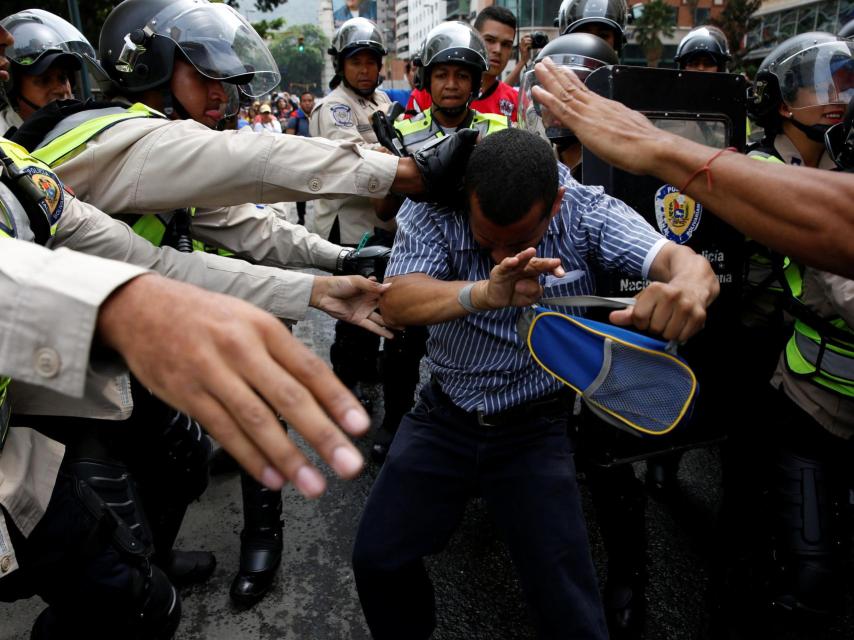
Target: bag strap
{"x": 588, "y": 301}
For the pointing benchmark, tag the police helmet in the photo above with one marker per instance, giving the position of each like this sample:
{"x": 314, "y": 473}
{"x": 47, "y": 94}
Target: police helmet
{"x": 456, "y": 43}
{"x": 41, "y": 40}
{"x": 709, "y": 41}
{"x": 140, "y": 39}
{"x": 847, "y": 31}
{"x": 582, "y": 53}
{"x": 574, "y": 14}
{"x": 356, "y": 34}
{"x": 807, "y": 70}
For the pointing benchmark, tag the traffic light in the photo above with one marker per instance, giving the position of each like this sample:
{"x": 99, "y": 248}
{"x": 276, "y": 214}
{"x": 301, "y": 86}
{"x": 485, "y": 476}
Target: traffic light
{"x": 301, "y": 44}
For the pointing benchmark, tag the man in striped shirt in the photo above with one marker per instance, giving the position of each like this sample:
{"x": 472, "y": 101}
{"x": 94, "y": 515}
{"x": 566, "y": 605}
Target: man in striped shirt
{"x": 491, "y": 422}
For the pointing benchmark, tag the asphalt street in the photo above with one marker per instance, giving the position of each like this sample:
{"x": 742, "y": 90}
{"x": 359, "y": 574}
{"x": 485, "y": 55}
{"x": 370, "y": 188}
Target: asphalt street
{"x": 478, "y": 597}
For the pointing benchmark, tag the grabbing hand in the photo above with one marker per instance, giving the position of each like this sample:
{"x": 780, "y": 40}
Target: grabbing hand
{"x": 442, "y": 165}
{"x": 353, "y": 299}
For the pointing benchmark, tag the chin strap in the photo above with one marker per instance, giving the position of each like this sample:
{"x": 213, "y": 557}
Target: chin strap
{"x": 814, "y": 132}
{"x": 171, "y": 105}
{"x": 362, "y": 92}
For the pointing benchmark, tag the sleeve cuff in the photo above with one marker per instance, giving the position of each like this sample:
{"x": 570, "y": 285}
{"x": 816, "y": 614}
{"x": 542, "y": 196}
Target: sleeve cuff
{"x": 651, "y": 256}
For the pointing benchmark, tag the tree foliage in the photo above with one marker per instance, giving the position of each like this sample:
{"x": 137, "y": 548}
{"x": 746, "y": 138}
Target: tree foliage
{"x": 267, "y": 28}
{"x": 736, "y": 21}
{"x": 94, "y": 12}
{"x": 655, "y": 21}
{"x": 301, "y": 70}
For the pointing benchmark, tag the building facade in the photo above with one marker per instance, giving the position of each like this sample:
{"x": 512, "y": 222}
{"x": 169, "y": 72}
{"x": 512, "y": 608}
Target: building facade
{"x": 782, "y": 19}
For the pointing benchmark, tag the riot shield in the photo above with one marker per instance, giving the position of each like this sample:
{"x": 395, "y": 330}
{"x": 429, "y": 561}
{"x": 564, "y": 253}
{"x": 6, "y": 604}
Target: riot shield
{"x": 708, "y": 108}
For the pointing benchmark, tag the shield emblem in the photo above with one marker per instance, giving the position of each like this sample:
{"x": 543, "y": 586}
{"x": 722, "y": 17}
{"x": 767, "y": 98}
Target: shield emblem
{"x": 678, "y": 215}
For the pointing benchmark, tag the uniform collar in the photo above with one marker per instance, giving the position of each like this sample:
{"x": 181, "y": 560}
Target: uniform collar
{"x": 789, "y": 154}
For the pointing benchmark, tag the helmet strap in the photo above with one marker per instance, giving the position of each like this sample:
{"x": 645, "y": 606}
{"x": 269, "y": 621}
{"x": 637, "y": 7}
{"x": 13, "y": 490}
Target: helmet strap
{"x": 362, "y": 92}
{"x": 814, "y": 132}
{"x": 171, "y": 105}
{"x": 32, "y": 105}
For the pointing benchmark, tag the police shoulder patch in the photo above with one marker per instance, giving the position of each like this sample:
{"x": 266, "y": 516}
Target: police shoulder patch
{"x": 342, "y": 115}
{"x": 677, "y": 214}
{"x": 52, "y": 188}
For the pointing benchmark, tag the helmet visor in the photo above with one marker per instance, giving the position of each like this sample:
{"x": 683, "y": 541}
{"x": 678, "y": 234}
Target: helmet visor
{"x": 536, "y": 117}
{"x": 819, "y": 75}
{"x": 220, "y": 43}
{"x": 37, "y": 32}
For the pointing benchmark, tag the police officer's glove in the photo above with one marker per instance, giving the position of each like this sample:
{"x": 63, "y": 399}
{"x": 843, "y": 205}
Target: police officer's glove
{"x": 366, "y": 262}
{"x": 442, "y": 165}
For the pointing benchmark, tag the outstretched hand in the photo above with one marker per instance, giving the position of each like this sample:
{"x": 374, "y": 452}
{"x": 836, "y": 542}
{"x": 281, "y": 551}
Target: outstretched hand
{"x": 514, "y": 282}
{"x": 612, "y": 131}
{"x": 234, "y": 367}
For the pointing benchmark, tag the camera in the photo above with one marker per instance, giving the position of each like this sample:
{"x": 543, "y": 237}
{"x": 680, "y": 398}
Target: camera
{"x": 539, "y": 40}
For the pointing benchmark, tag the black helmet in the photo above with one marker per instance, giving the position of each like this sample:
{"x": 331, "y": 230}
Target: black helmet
{"x": 41, "y": 40}
{"x": 576, "y": 13}
{"x": 821, "y": 63}
{"x": 580, "y": 52}
{"x": 356, "y": 34}
{"x": 847, "y": 31}
{"x": 140, "y": 38}
{"x": 703, "y": 41}
{"x": 451, "y": 42}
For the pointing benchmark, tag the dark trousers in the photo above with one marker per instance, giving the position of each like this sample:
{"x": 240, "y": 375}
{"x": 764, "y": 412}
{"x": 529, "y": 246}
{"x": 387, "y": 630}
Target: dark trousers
{"x": 525, "y": 472}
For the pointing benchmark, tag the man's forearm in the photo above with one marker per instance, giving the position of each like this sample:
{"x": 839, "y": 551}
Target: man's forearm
{"x": 418, "y": 299}
{"x": 798, "y": 211}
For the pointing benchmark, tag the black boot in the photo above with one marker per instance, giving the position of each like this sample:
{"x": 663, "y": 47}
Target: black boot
{"x": 260, "y": 542}
{"x": 354, "y": 359}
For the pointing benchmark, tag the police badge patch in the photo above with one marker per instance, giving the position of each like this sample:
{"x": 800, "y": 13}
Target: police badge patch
{"x": 677, "y": 214}
{"x": 54, "y": 195}
{"x": 342, "y": 115}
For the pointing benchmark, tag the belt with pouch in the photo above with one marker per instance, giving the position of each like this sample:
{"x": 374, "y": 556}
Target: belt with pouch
{"x": 550, "y": 405}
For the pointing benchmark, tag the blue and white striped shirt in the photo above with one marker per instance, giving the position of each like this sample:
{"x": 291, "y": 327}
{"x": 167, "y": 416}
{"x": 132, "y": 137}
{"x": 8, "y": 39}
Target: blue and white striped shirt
{"x": 479, "y": 360}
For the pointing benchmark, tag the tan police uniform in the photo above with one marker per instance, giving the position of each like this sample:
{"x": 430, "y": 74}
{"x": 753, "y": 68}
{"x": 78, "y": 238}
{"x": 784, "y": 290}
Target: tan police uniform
{"x": 152, "y": 165}
{"x": 345, "y": 115}
{"x": 830, "y": 296}
{"x": 9, "y": 118}
{"x": 48, "y": 324}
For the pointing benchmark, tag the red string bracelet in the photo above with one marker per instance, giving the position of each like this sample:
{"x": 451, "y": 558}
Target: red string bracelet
{"x": 707, "y": 168}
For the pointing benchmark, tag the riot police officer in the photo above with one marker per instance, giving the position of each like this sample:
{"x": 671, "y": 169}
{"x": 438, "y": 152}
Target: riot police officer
{"x": 449, "y": 67}
{"x": 175, "y": 67}
{"x": 43, "y": 64}
{"x": 801, "y": 89}
{"x": 603, "y": 18}
{"x": 580, "y": 52}
{"x": 703, "y": 49}
{"x": 357, "y": 52}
